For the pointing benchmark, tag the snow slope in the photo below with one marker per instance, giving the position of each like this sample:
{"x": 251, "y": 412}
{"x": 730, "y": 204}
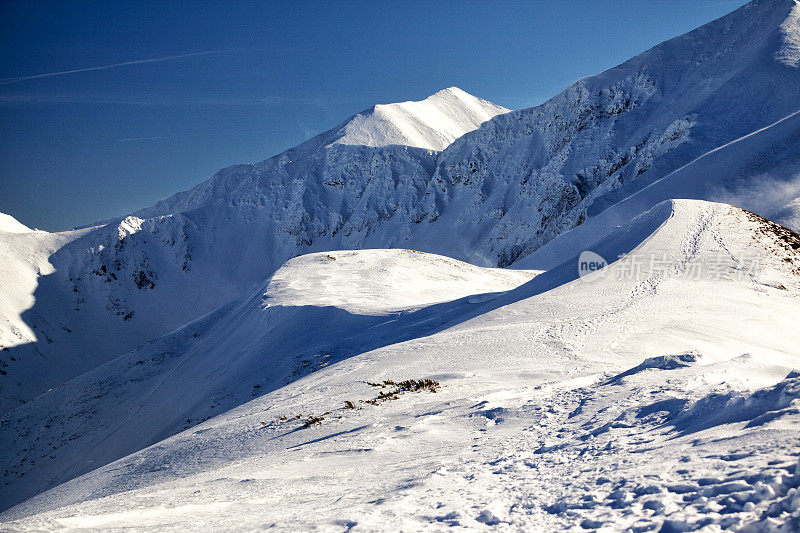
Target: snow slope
{"x": 564, "y": 402}
{"x": 756, "y": 172}
{"x": 24, "y": 258}
{"x": 317, "y": 309}
{"x": 380, "y": 282}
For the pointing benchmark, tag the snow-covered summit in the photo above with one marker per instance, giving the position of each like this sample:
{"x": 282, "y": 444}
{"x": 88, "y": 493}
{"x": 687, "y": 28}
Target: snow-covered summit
{"x": 432, "y": 123}
{"x": 372, "y": 282}
{"x": 10, "y": 224}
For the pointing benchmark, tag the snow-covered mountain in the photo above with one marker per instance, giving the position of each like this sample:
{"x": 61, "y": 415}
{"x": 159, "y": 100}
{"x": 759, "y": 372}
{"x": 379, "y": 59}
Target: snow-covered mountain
{"x": 540, "y": 171}
{"x": 560, "y": 392}
{"x": 726, "y": 92}
{"x": 198, "y": 310}
{"x": 131, "y": 280}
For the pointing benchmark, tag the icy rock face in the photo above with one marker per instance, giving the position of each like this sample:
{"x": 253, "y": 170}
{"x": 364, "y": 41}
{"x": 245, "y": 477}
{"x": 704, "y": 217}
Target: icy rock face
{"x": 543, "y": 170}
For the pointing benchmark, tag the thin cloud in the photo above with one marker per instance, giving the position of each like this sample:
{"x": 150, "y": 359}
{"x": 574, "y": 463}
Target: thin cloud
{"x": 307, "y": 132}
{"x": 139, "y": 100}
{"x": 135, "y": 139}
{"x": 9, "y": 81}
{"x": 165, "y": 100}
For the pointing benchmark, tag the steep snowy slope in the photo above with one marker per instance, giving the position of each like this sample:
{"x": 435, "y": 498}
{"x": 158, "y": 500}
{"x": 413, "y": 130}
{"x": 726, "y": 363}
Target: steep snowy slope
{"x": 24, "y": 258}
{"x": 317, "y": 309}
{"x": 564, "y": 402}
{"x": 757, "y": 172}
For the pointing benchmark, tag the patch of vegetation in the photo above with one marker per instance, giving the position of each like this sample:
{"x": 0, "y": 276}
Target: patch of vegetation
{"x": 312, "y": 420}
{"x": 409, "y": 385}
{"x": 415, "y": 385}
{"x": 395, "y": 390}
{"x": 784, "y": 238}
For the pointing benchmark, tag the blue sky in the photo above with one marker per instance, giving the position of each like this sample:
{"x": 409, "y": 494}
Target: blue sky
{"x": 256, "y": 78}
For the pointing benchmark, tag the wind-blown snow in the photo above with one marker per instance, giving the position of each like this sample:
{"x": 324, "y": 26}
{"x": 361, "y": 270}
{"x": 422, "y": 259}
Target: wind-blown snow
{"x": 789, "y": 52}
{"x": 788, "y": 215}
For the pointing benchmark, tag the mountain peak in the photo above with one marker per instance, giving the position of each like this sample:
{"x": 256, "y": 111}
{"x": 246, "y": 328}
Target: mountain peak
{"x": 432, "y": 123}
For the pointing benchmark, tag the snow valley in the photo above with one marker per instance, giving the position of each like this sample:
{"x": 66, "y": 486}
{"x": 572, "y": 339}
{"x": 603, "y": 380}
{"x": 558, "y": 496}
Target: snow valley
{"x": 387, "y": 327}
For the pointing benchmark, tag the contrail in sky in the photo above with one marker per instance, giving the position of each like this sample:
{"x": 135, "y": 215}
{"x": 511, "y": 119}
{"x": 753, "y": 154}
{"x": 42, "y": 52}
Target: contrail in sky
{"x": 130, "y": 139}
{"x": 9, "y": 81}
